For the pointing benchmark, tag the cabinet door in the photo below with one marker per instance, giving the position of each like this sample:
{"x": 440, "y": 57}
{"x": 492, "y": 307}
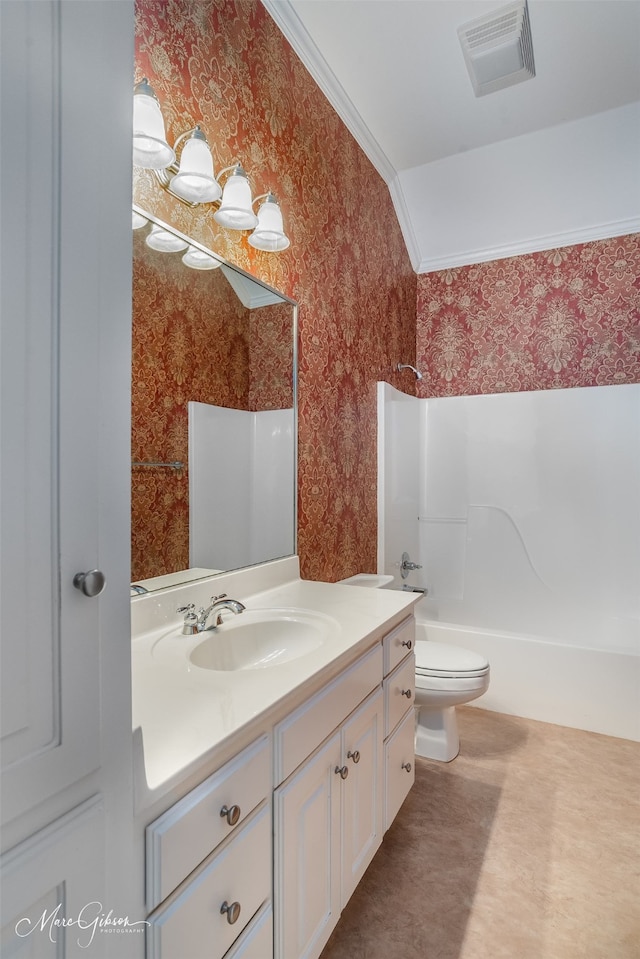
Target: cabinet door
{"x": 362, "y": 791}
{"x": 307, "y": 855}
{"x": 47, "y": 910}
{"x": 399, "y": 767}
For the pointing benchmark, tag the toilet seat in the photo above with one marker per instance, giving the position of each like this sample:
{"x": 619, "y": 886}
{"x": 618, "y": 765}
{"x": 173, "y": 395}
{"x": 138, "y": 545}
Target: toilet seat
{"x": 448, "y": 662}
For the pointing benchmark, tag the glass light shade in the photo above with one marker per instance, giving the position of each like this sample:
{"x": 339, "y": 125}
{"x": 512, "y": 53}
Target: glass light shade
{"x": 163, "y": 241}
{"x": 269, "y": 233}
{"x": 195, "y": 181}
{"x": 137, "y": 220}
{"x": 150, "y": 148}
{"x": 236, "y": 211}
{"x": 199, "y": 260}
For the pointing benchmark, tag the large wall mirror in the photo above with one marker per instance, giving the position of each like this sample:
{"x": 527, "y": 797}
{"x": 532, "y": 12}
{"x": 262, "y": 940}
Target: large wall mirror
{"x": 214, "y": 412}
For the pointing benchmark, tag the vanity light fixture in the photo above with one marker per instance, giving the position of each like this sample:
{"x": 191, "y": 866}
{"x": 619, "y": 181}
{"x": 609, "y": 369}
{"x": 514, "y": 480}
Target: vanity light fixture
{"x": 150, "y": 147}
{"x": 236, "y": 208}
{"x": 192, "y": 179}
{"x": 269, "y": 233}
{"x": 199, "y": 260}
{"x": 164, "y": 241}
{"x": 195, "y": 181}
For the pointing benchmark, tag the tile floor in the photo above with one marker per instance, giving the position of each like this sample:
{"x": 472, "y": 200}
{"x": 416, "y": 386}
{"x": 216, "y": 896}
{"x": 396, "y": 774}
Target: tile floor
{"x": 527, "y": 846}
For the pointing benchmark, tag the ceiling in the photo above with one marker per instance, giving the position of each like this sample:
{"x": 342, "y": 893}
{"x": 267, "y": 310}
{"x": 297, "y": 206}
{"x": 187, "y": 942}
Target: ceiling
{"x": 394, "y": 71}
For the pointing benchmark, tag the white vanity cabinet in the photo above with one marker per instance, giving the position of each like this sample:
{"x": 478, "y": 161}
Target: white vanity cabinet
{"x": 399, "y": 718}
{"x": 333, "y": 766}
{"x": 328, "y": 815}
{"x": 209, "y": 864}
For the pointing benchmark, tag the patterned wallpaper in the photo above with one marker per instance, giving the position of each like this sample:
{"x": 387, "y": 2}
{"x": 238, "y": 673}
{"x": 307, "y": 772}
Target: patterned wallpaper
{"x": 225, "y": 64}
{"x": 563, "y": 318}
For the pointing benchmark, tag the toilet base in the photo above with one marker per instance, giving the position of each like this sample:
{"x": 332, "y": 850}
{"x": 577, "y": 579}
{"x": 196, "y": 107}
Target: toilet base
{"x": 437, "y": 733}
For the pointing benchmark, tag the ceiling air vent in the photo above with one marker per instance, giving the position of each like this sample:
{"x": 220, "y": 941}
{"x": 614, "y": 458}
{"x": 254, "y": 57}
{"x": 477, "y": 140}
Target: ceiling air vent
{"x": 497, "y": 48}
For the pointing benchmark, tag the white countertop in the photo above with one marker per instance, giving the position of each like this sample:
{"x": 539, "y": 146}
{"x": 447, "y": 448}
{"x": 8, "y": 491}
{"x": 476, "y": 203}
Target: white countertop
{"x": 184, "y": 712}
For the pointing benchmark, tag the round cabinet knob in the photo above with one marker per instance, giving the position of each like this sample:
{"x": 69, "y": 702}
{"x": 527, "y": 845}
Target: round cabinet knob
{"x": 91, "y": 583}
{"x": 407, "y": 643}
{"x": 232, "y": 910}
{"x": 407, "y": 766}
{"x": 406, "y": 692}
{"x": 343, "y": 771}
{"x": 232, "y": 814}
{"x": 355, "y": 755}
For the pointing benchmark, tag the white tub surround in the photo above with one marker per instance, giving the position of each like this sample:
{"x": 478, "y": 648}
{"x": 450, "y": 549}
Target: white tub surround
{"x": 180, "y": 715}
{"x": 527, "y": 515}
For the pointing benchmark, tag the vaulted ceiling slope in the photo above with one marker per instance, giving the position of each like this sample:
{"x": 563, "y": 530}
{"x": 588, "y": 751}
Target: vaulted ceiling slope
{"x": 547, "y": 162}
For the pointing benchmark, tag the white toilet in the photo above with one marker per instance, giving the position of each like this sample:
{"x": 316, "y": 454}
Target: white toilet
{"x": 446, "y": 677}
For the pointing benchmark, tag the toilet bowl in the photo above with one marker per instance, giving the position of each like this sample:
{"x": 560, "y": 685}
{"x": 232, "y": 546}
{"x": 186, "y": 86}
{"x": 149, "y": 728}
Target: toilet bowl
{"x": 446, "y": 677}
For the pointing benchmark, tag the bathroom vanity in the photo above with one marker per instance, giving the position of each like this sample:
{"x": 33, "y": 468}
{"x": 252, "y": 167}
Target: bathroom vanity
{"x": 263, "y": 792}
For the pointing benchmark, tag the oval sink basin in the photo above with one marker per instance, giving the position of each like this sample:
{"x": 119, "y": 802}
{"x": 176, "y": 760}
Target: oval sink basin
{"x": 255, "y": 639}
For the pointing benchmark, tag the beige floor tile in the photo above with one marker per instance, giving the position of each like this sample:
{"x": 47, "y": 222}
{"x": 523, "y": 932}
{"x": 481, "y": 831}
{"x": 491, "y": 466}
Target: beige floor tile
{"x": 527, "y": 846}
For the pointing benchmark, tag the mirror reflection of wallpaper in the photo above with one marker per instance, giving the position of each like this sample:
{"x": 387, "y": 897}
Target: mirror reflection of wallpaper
{"x": 192, "y": 340}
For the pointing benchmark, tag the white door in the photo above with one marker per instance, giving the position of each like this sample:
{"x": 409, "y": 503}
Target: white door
{"x": 307, "y": 855}
{"x": 362, "y": 791}
{"x": 65, "y": 195}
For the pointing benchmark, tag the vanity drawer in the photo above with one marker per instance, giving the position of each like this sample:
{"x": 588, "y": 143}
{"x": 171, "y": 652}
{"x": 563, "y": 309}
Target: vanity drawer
{"x": 398, "y": 643}
{"x": 399, "y": 693}
{"x": 399, "y": 753}
{"x": 187, "y": 832}
{"x": 191, "y": 923}
{"x": 299, "y": 734}
{"x": 256, "y": 942}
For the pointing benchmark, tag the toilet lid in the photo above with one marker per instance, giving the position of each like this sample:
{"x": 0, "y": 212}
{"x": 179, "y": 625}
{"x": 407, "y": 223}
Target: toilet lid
{"x": 440, "y": 659}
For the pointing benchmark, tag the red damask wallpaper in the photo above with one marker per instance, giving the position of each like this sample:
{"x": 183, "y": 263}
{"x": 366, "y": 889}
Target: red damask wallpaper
{"x": 563, "y": 318}
{"x": 225, "y": 64}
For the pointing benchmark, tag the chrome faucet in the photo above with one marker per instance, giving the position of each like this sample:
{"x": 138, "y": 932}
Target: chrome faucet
{"x": 218, "y": 605}
{"x": 197, "y": 622}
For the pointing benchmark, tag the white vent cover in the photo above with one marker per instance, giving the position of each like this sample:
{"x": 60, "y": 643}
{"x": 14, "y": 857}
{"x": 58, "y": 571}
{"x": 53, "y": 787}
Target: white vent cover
{"x": 497, "y": 48}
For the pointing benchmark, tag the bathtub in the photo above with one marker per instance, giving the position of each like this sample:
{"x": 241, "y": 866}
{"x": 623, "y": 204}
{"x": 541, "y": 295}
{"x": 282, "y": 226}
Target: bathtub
{"x": 549, "y": 679}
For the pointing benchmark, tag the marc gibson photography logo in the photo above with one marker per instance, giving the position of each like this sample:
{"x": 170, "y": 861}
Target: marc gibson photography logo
{"x": 90, "y": 920}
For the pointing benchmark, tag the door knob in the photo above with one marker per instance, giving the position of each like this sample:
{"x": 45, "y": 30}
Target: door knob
{"x": 343, "y": 771}
{"x": 91, "y": 583}
{"x": 406, "y": 692}
{"x": 407, "y": 766}
{"x": 407, "y": 643}
{"x": 355, "y": 755}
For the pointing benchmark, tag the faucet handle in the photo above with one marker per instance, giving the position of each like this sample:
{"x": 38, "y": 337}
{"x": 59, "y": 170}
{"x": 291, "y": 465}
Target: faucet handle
{"x": 214, "y": 599}
{"x": 190, "y": 619}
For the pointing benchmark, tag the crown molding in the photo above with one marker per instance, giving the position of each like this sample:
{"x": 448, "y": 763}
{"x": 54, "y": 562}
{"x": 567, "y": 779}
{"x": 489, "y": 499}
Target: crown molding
{"x": 406, "y": 224}
{"x": 286, "y": 18}
{"x": 602, "y": 231}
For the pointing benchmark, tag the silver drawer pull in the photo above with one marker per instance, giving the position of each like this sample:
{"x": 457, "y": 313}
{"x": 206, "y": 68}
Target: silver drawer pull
{"x": 232, "y": 814}
{"x": 406, "y": 692}
{"x": 343, "y": 771}
{"x": 407, "y": 766}
{"x": 407, "y": 643}
{"x": 355, "y": 755}
{"x": 232, "y": 910}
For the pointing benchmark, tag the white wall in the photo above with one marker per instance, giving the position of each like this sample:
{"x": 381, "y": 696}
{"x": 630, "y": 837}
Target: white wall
{"x": 563, "y": 185}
